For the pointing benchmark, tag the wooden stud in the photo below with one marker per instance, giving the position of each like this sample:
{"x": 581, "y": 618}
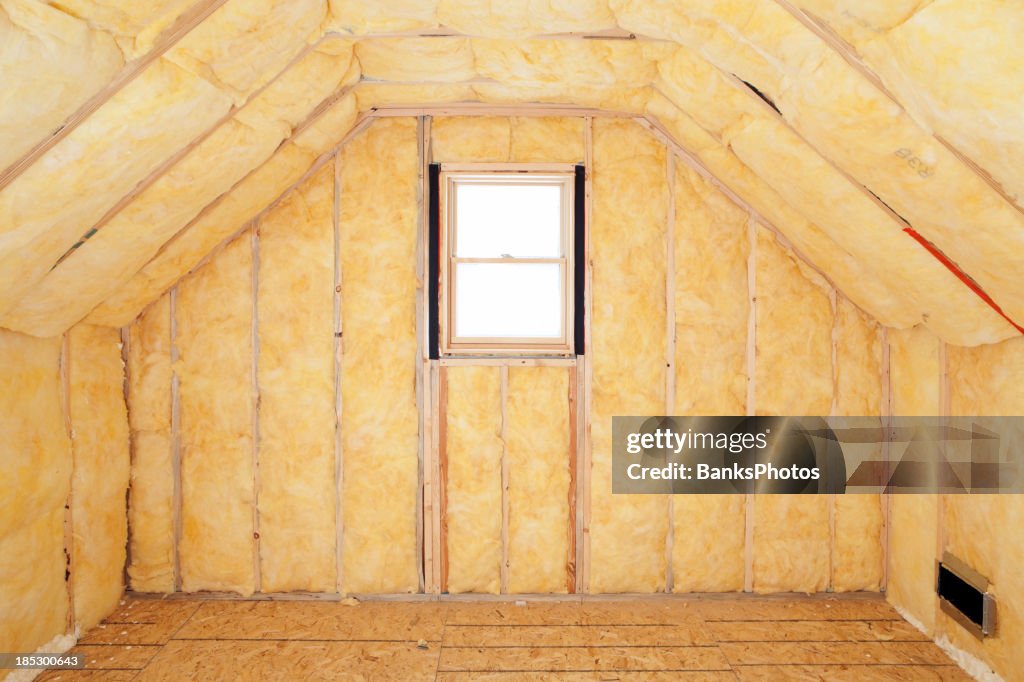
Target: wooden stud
{"x": 830, "y": 498}
{"x": 886, "y": 497}
{"x": 748, "y": 507}
{"x": 176, "y": 494}
{"x": 339, "y": 493}
{"x": 586, "y": 471}
{"x": 185, "y": 23}
{"x": 64, "y": 374}
{"x": 574, "y": 421}
{"x": 422, "y": 192}
{"x": 442, "y": 450}
{"x": 126, "y": 347}
{"x": 670, "y": 347}
{"x": 941, "y": 501}
{"x": 505, "y": 482}
{"x": 849, "y": 53}
{"x": 254, "y": 240}
{"x": 437, "y": 498}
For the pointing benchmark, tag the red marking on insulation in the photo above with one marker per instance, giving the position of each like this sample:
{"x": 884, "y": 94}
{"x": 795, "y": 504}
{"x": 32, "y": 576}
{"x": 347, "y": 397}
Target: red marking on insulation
{"x": 961, "y": 275}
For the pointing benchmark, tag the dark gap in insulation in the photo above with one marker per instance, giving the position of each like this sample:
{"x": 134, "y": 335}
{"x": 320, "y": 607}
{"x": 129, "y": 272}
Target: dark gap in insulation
{"x": 76, "y": 245}
{"x": 760, "y": 94}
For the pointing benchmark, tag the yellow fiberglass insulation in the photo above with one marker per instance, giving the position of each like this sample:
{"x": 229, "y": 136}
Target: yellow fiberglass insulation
{"x": 99, "y": 163}
{"x": 99, "y": 423}
{"x": 41, "y": 44}
{"x": 915, "y": 370}
{"x": 537, "y": 437}
{"x": 857, "y": 552}
{"x": 473, "y": 488}
{"x": 226, "y": 216}
{"x": 980, "y": 529}
{"x": 295, "y": 372}
{"x": 150, "y": 513}
{"x": 103, "y": 265}
{"x": 628, "y": 241}
{"x": 35, "y": 474}
{"x": 793, "y": 377}
{"x": 494, "y": 139}
{"x": 379, "y": 171}
{"x": 214, "y": 341}
{"x": 711, "y": 312}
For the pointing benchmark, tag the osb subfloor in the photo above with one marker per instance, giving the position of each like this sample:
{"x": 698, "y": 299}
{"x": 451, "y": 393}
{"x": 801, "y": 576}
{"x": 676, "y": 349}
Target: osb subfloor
{"x": 691, "y": 639}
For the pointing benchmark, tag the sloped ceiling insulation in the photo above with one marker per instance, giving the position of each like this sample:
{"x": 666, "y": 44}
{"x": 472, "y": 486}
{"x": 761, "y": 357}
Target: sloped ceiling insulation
{"x": 883, "y": 139}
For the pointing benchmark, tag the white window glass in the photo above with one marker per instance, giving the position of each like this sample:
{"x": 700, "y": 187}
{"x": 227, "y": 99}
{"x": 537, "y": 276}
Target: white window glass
{"x": 508, "y": 221}
{"x": 515, "y": 300}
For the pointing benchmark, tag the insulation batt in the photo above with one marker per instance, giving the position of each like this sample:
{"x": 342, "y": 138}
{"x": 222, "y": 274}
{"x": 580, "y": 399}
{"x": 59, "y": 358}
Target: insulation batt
{"x": 492, "y": 139}
{"x": 150, "y": 513}
{"x": 214, "y": 340}
{"x": 537, "y": 447}
{"x": 857, "y": 554}
{"x": 378, "y": 377}
{"x": 227, "y": 216}
{"x": 101, "y": 267}
{"x": 35, "y": 475}
{"x": 473, "y": 489}
{"x": 915, "y": 370}
{"x": 628, "y": 532}
{"x": 52, "y": 63}
{"x": 793, "y": 376}
{"x": 850, "y": 274}
{"x": 98, "y": 163}
{"x": 711, "y": 312}
{"x": 99, "y": 422}
{"x": 295, "y": 304}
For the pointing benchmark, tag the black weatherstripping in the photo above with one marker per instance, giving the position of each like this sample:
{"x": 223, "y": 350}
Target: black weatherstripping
{"x": 579, "y": 258}
{"x": 434, "y": 257}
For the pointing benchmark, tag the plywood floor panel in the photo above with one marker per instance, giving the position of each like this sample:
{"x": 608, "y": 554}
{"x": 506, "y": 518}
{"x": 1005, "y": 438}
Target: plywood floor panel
{"x": 705, "y": 638}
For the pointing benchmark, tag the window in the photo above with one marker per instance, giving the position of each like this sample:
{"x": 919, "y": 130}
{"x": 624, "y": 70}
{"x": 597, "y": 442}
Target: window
{"x": 506, "y": 252}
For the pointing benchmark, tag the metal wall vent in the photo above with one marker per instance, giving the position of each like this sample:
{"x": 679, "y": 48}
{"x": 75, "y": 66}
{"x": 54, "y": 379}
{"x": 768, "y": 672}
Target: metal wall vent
{"x": 964, "y": 597}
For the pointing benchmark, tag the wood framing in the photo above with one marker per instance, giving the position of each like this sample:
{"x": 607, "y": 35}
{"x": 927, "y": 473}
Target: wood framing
{"x": 423, "y": 482}
{"x": 456, "y": 178}
{"x": 254, "y": 240}
{"x": 176, "y": 493}
{"x": 339, "y": 468}
{"x": 442, "y": 458}
{"x": 64, "y": 371}
{"x": 748, "y": 506}
{"x": 886, "y": 498}
{"x": 670, "y": 346}
{"x": 573, "y": 454}
{"x": 584, "y": 473}
{"x": 182, "y": 27}
{"x": 505, "y": 483}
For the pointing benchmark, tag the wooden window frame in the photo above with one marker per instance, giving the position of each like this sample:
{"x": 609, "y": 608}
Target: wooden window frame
{"x": 451, "y": 175}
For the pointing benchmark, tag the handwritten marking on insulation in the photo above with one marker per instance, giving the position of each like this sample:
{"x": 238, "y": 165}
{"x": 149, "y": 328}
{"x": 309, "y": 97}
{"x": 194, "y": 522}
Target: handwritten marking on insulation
{"x": 915, "y": 162}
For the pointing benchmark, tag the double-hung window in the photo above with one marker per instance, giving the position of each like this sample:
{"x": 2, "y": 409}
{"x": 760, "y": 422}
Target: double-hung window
{"x": 506, "y": 259}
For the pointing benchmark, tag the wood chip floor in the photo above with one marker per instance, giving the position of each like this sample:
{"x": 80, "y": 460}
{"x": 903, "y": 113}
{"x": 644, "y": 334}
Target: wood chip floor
{"x": 692, "y": 639}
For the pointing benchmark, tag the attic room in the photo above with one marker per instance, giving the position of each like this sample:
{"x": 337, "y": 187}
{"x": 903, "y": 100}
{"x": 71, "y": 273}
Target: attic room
{"x": 323, "y": 324}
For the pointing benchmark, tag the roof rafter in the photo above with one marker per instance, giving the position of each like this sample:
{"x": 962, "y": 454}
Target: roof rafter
{"x": 171, "y": 37}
